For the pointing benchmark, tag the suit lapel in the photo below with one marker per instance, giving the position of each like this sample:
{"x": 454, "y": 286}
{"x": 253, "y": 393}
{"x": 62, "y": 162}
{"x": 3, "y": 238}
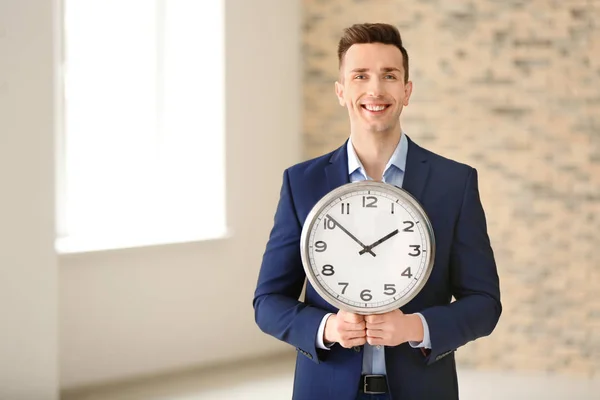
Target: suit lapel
{"x": 337, "y": 170}
{"x": 417, "y": 171}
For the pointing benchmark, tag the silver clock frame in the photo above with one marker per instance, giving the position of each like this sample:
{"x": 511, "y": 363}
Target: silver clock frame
{"x": 311, "y": 220}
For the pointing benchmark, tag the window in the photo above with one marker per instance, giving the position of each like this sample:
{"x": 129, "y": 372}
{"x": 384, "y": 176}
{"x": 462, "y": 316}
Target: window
{"x": 141, "y": 157}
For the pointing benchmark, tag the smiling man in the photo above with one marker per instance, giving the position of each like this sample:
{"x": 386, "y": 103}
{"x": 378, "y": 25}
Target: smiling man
{"x": 408, "y": 353}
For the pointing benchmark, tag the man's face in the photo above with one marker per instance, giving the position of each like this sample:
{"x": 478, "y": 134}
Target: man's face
{"x": 372, "y": 86}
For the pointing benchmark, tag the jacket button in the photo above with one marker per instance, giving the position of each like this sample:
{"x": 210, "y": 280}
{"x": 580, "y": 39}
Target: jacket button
{"x": 356, "y": 349}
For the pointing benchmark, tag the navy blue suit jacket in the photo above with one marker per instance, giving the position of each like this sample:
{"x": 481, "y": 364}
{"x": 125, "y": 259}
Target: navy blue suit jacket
{"x": 464, "y": 268}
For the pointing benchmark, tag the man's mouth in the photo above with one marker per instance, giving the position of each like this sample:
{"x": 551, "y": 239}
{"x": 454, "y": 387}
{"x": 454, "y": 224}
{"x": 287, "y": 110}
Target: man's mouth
{"x": 375, "y": 108}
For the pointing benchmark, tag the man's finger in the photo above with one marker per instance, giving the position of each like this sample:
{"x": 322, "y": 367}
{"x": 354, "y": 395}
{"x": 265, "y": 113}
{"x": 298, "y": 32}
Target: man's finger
{"x": 375, "y": 333}
{"x": 375, "y": 319}
{"x": 378, "y": 325}
{"x": 347, "y": 326}
{"x": 353, "y": 342}
{"x": 350, "y": 317}
{"x": 351, "y": 335}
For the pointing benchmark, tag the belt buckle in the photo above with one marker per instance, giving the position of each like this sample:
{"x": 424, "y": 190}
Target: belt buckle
{"x": 365, "y": 384}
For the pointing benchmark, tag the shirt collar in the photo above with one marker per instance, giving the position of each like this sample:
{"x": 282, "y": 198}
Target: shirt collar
{"x": 398, "y": 158}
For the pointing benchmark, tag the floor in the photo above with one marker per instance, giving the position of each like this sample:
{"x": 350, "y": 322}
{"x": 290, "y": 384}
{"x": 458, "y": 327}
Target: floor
{"x": 272, "y": 380}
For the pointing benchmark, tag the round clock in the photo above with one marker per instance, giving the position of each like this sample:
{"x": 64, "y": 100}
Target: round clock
{"x": 367, "y": 247}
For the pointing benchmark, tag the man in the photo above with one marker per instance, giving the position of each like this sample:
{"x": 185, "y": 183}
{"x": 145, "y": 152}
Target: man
{"x": 405, "y": 354}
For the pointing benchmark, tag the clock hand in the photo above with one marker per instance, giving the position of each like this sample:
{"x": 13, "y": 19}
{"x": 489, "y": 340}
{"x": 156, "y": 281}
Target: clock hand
{"x": 377, "y": 243}
{"x": 364, "y": 250}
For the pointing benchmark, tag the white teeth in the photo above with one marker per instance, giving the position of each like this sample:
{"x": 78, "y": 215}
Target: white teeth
{"x": 372, "y": 107}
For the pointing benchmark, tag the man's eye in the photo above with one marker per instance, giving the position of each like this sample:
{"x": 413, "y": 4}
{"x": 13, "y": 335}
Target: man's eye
{"x": 390, "y": 77}
{"x": 359, "y": 77}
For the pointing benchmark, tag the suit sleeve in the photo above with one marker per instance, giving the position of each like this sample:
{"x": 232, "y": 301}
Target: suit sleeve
{"x": 474, "y": 280}
{"x": 277, "y": 310}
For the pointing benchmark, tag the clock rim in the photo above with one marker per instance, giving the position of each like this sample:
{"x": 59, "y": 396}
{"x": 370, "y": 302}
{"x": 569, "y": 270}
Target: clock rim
{"x": 359, "y": 186}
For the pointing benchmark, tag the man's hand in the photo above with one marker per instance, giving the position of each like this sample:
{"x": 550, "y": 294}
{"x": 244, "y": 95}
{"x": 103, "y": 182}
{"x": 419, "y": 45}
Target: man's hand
{"x": 345, "y": 328}
{"x": 393, "y": 328}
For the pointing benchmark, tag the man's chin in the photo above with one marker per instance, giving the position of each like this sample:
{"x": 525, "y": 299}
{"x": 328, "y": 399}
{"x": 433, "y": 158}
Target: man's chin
{"x": 378, "y": 128}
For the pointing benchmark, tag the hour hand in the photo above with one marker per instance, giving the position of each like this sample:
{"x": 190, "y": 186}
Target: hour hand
{"x": 377, "y": 243}
{"x": 364, "y": 248}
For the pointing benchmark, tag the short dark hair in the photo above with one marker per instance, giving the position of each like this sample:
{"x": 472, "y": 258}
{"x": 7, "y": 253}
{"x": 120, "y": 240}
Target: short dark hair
{"x": 372, "y": 33}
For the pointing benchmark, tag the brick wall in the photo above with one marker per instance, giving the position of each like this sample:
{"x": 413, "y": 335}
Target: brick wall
{"x": 512, "y": 88}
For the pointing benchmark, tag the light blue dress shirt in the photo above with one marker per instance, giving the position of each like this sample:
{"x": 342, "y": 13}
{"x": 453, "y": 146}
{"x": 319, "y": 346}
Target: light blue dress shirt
{"x": 374, "y": 356}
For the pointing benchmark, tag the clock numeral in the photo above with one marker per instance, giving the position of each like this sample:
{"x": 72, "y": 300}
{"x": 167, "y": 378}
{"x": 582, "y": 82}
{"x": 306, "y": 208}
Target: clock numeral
{"x": 345, "y": 208}
{"x": 417, "y": 249}
{"x": 407, "y": 273}
{"x": 410, "y": 226}
{"x": 328, "y": 224}
{"x": 320, "y": 246}
{"x": 345, "y": 285}
{"x": 393, "y": 207}
{"x": 366, "y": 295}
{"x": 389, "y": 289}
{"x": 327, "y": 270}
{"x": 369, "y": 201}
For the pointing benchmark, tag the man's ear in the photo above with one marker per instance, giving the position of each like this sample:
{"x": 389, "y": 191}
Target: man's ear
{"x": 339, "y": 92}
{"x": 407, "y": 92}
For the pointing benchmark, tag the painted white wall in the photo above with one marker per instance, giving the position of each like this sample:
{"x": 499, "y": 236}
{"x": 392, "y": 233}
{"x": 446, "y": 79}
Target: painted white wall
{"x": 28, "y": 264}
{"x": 141, "y": 311}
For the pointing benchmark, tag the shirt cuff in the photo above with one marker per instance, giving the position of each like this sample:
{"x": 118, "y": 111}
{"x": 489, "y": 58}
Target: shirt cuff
{"x": 426, "y": 343}
{"x": 320, "y": 334}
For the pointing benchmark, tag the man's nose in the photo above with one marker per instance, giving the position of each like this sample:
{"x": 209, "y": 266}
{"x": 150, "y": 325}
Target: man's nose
{"x": 375, "y": 88}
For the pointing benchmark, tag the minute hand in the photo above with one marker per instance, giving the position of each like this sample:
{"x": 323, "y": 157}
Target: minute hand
{"x": 365, "y": 249}
{"x": 377, "y": 243}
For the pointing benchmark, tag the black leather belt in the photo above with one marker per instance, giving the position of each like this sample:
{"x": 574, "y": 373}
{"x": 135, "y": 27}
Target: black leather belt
{"x": 373, "y": 384}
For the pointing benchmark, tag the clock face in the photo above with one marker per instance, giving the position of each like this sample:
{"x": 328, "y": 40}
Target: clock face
{"x": 367, "y": 247}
